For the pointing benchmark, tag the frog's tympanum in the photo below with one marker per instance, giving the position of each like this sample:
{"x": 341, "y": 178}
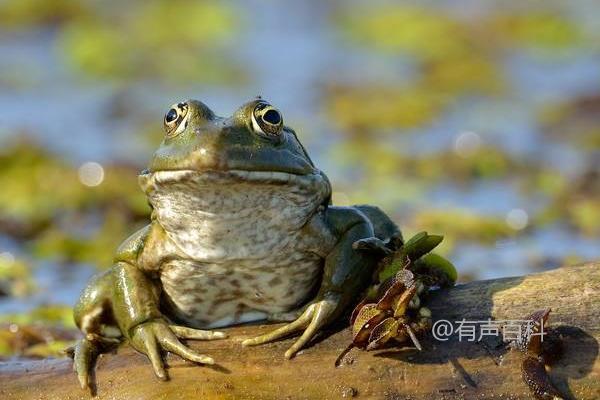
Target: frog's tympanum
{"x": 242, "y": 229}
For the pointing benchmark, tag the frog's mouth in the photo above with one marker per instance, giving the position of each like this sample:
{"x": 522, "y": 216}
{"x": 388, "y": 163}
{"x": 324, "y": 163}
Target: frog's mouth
{"x": 275, "y": 177}
{"x": 195, "y": 180}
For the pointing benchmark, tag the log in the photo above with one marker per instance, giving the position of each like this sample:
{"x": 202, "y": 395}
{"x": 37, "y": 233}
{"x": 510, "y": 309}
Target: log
{"x": 453, "y": 369}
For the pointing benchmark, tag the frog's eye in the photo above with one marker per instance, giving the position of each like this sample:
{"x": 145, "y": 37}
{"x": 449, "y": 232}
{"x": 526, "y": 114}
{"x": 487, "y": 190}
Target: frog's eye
{"x": 175, "y": 119}
{"x": 171, "y": 116}
{"x": 267, "y": 120}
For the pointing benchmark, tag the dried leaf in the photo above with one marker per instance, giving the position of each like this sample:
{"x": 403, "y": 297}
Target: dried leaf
{"x": 384, "y": 331}
{"x": 368, "y": 317}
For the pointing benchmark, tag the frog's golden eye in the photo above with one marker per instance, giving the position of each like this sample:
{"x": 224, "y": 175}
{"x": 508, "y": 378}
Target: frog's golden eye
{"x": 175, "y": 119}
{"x": 267, "y": 120}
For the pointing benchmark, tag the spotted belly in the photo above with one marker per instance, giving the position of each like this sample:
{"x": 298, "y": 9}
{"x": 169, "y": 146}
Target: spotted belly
{"x": 242, "y": 244}
{"x": 208, "y": 295}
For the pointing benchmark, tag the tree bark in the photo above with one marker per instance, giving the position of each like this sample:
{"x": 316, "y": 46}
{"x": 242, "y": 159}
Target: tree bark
{"x": 450, "y": 369}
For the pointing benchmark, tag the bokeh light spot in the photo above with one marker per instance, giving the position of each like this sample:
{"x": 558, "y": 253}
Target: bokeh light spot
{"x": 7, "y": 257}
{"x": 467, "y": 143}
{"x": 91, "y": 173}
{"x": 517, "y": 219}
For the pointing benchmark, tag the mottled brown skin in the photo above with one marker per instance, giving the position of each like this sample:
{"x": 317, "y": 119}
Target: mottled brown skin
{"x": 536, "y": 354}
{"x": 242, "y": 228}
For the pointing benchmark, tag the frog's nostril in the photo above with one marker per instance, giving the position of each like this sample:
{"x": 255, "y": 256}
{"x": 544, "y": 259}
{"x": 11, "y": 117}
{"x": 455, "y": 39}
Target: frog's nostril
{"x": 272, "y": 117}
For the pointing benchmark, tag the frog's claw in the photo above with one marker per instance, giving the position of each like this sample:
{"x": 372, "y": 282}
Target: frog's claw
{"x": 150, "y": 337}
{"x": 312, "y": 320}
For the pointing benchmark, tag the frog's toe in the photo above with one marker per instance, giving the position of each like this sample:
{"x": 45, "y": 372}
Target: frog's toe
{"x": 172, "y": 344}
{"x": 183, "y": 332}
{"x": 372, "y": 244}
{"x": 150, "y": 337}
{"x": 279, "y": 333}
{"x": 145, "y": 342}
{"x": 312, "y": 320}
{"x": 321, "y": 315}
{"x": 84, "y": 355}
{"x": 285, "y": 316}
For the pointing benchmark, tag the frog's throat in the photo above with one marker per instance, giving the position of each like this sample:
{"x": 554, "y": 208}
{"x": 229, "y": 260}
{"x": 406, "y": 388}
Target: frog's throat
{"x": 216, "y": 216}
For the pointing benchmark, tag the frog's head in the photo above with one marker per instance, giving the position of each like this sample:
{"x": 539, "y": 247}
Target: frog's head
{"x": 254, "y": 138}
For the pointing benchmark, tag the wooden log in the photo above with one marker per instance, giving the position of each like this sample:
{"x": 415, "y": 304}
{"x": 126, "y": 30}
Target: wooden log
{"x": 450, "y": 369}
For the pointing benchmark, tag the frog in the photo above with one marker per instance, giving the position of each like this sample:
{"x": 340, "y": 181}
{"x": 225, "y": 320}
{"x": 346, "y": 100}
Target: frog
{"x": 242, "y": 229}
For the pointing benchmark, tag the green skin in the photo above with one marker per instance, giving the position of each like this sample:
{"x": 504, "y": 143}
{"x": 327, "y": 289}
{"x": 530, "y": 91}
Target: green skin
{"x": 125, "y": 302}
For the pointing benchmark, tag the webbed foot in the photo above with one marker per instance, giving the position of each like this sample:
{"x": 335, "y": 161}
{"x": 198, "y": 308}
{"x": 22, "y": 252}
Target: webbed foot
{"x": 151, "y": 337}
{"x": 148, "y": 338}
{"x": 312, "y": 320}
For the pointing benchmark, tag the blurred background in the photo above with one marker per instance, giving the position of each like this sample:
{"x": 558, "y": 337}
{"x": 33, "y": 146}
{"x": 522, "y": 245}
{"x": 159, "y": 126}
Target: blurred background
{"x": 478, "y": 120}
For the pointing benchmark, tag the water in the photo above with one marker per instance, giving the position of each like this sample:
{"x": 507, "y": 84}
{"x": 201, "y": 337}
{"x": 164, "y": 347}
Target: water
{"x": 290, "y": 50}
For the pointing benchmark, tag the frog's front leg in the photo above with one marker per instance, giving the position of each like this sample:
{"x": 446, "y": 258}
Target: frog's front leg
{"x": 123, "y": 302}
{"x": 136, "y": 311}
{"x": 347, "y": 271}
